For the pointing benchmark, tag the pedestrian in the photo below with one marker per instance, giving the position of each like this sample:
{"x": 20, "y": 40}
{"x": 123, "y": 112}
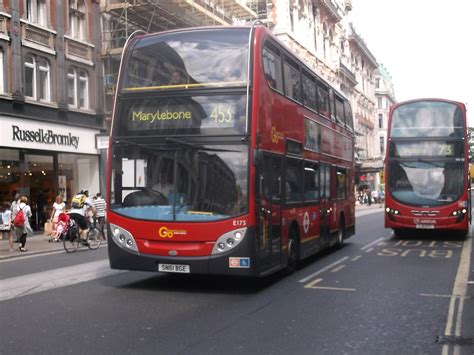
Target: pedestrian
{"x": 99, "y": 204}
{"x": 22, "y": 231}
{"x": 15, "y": 207}
{"x": 58, "y": 207}
{"x": 6, "y": 226}
{"x": 369, "y": 197}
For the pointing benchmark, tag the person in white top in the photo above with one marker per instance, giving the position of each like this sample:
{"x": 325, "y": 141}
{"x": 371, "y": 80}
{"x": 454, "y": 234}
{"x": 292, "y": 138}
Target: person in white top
{"x": 163, "y": 184}
{"x": 58, "y": 207}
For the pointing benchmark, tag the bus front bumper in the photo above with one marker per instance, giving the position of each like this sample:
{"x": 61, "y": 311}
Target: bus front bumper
{"x": 240, "y": 261}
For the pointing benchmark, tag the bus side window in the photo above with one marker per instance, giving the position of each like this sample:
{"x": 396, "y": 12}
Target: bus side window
{"x": 311, "y": 181}
{"x": 323, "y": 99}
{"x": 272, "y": 69}
{"x": 348, "y": 115}
{"x": 291, "y": 75}
{"x": 331, "y": 105}
{"x": 293, "y": 182}
{"x": 339, "y": 110}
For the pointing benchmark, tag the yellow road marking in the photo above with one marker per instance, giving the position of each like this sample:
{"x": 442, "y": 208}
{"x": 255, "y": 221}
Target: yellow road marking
{"x": 340, "y": 267}
{"x": 312, "y": 283}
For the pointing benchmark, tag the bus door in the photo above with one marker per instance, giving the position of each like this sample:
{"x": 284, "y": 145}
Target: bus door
{"x": 269, "y": 211}
{"x": 325, "y": 203}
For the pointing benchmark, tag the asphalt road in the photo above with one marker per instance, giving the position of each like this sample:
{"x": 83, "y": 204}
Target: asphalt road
{"x": 376, "y": 295}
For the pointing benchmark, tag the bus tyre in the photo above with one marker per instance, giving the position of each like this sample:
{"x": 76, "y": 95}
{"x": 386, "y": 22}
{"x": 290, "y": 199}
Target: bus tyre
{"x": 341, "y": 233}
{"x": 398, "y": 232}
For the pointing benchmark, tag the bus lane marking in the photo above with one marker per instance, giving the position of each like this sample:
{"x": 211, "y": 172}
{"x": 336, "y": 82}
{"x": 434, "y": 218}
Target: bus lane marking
{"x": 369, "y": 250}
{"x": 372, "y": 243}
{"x": 456, "y": 304}
{"x": 313, "y": 286}
{"x": 420, "y": 248}
{"x": 309, "y": 277}
{"x": 356, "y": 258}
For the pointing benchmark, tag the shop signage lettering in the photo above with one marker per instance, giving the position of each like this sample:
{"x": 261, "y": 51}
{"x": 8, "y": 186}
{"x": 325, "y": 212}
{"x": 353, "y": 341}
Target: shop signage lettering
{"x": 45, "y": 137}
{"x": 161, "y": 116}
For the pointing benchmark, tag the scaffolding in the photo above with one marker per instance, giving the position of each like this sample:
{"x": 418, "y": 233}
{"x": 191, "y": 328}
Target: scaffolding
{"x": 121, "y": 18}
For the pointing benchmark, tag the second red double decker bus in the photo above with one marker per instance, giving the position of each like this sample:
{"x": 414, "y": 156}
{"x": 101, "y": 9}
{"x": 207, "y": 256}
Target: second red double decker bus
{"x": 228, "y": 156}
{"x": 427, "y": 167}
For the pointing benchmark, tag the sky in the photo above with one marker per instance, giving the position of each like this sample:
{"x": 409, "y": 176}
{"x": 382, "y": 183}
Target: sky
{"x": 427, "y": 46}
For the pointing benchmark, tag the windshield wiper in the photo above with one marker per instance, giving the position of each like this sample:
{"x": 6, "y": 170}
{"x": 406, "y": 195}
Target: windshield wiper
{"x": 198, "y": 147}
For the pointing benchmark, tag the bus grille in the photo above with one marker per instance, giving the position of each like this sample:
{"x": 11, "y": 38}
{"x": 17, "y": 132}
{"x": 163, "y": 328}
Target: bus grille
{"x": 424, "y": 213}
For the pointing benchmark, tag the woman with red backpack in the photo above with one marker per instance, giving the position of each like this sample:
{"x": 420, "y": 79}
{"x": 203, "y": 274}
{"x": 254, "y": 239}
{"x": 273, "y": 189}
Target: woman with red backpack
{"x": 22, "y": 222}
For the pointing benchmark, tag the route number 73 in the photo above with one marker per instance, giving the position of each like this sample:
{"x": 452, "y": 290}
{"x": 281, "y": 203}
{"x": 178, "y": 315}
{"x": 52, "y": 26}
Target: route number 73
{"x": 446, "y": 149}
{"x": 221, "y": 114}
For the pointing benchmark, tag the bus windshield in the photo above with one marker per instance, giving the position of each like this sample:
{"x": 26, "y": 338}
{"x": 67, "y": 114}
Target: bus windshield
{"x": 426, "y": 183}
{"x": 188, "y": 59}
{"x": 179, "y": 182}
{"x": 427, "y": 119}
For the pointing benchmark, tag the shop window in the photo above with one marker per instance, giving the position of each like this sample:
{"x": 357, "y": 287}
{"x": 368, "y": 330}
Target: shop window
{"x": 36, "y": 12}
{"x": 77, "y": 19}
{"x": 78, "y": 88}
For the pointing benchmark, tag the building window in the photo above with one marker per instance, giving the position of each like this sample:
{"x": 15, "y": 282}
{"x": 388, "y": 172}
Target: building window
{"x": 380, "y": 120}
{"x": 30, "y": 77}
{"x": 379, "y": 102}
{"x": 78, "y": 88}
{"x": 36, "y": 11}
{"x": 77, "y": 19}
{"x": 37, "y": 78}
{"x": 44, "y": 80}
{"x": 382, "y": 145}
{"x": 2, "y": 68}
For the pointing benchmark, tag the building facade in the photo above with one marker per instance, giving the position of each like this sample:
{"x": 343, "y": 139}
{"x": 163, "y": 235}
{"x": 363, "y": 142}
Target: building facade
{"x": 51, "y": 114}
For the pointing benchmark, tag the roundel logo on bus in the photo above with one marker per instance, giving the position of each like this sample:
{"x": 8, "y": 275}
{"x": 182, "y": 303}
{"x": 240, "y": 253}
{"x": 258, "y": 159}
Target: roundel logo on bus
{"x": 276, "y": 136}
{"x": 164, "y": 232}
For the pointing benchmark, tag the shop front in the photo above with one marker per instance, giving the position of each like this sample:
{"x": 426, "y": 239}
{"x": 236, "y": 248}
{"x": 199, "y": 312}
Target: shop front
{"x": 42, "y": 160}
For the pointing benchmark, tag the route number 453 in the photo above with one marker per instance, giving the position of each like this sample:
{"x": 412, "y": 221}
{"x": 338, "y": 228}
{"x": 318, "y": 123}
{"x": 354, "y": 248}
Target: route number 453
{"x": 221, "y": 114}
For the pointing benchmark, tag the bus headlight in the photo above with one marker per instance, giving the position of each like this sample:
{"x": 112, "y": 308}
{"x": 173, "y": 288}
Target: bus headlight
{"x": 123, "y": 238}
{"x": 229, "y": 241}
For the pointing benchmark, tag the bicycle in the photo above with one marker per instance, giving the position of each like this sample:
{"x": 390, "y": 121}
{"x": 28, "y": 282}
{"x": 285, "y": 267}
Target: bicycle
{"x": 72, "y": 239}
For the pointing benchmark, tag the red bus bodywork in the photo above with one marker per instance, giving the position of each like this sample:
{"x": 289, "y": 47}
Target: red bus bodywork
{"x": 274, "y": 120}
{"x": 451, "y": 215}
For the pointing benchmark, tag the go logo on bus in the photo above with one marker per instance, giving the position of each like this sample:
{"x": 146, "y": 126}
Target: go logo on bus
{"x": 276, "y": 136}
{"x": 164, "y": 232}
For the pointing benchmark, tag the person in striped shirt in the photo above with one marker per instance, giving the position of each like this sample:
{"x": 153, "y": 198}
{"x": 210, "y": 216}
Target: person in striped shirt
{"x": 99, "y": 204}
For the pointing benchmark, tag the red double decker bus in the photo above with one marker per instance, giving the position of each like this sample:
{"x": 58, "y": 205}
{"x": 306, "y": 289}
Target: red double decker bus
{"x": 228, "y": 156}
{"x": 427, "y": 167}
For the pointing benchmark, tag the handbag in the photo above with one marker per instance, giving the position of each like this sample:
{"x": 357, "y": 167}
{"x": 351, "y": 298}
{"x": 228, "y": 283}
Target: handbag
{"x": 48, "y": 228}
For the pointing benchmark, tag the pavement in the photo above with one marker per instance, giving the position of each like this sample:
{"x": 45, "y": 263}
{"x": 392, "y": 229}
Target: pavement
{"x": 37, "y": 244}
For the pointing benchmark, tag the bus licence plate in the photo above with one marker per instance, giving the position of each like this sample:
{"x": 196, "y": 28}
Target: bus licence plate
{"x": 174, "y": 268}
{"x": 425, "y": 226}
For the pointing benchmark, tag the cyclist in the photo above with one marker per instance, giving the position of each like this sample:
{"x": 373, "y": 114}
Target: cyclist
{"x": 81, "y": 204}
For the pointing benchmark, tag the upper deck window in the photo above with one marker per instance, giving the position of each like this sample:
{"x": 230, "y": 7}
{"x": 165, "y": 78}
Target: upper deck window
{"x": 292, "y": 81}
{"x": 272, "y": 68}
{"x": 323, "y": 99}
{"x": 188, "y": 59}
{"x": 427, "y": 119}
